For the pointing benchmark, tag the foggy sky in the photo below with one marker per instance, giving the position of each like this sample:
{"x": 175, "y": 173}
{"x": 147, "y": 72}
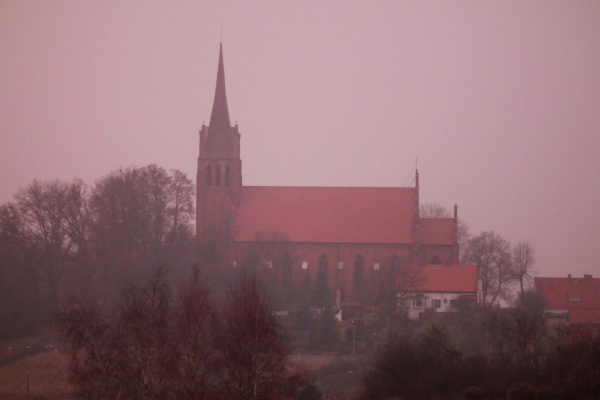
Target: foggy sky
{"x": 498, "y": 101}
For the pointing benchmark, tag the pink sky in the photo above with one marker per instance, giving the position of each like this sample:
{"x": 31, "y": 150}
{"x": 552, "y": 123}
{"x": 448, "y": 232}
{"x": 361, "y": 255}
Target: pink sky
{"x": 498, "y": 101}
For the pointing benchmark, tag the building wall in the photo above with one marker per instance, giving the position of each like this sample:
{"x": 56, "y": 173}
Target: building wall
{"x": 375, "y": 258}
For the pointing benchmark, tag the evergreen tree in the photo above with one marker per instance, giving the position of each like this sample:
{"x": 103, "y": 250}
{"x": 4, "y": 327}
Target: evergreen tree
{"x": 322, "y": 294}
{"x": 303, "y": 314}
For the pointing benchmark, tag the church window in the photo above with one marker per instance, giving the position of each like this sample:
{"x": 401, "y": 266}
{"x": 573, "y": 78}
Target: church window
{"x": 227, "y": 175}
{"x": 394, "y": 262}
{"x": 208, "y": 175}
{"x": 218, "y": 176}
{"x": 323, "y": 263}
{"x": 358, "y": 270}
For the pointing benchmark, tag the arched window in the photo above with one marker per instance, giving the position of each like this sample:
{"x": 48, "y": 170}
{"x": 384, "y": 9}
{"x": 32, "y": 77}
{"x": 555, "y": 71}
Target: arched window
{"x": 359, "y": 274}
{"x": 218, "y": 176}
{"x": 227, "y": 175}
{"x": 208, "y": 175}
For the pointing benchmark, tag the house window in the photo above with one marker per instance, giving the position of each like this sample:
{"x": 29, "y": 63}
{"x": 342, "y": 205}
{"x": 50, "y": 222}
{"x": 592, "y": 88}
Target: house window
{"x": 227, "y": 175}
{"x": 304, "y": 264}
{"x": 340, "y": 265}
{"x": 208, "y": 175}
{"x": 418, "y": 302}
{"x": 401, "y": 302}
{"x": 218, "y": 176}
{"x": 436, "y": 303}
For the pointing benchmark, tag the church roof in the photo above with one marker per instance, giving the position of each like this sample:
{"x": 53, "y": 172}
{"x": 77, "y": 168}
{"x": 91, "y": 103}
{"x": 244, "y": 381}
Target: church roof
{"x": 436, "y": 231}
{"x": 448, "y": 279}
{"x": 326, "y": 214}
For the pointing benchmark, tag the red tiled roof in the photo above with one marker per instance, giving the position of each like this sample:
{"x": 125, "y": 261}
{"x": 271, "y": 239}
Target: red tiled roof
{"x": 570, "y": 293}
{"x": 436, "y": 231}
{"x": 584, "y": 317}
{"x": 449, "y": 279}
{"x": 327, "y": 214}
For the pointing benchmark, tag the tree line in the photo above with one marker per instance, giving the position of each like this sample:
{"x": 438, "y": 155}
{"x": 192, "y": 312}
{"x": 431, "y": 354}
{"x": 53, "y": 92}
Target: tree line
{"x": 491, "y": 353}
{"x": 62, "y": 238}
{"x": 156, "y": 345}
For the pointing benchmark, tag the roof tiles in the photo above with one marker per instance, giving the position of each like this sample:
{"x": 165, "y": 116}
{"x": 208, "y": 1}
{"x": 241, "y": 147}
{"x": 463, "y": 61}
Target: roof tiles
{"x": 327, "y": 214}
{"x": 449, "y": 279}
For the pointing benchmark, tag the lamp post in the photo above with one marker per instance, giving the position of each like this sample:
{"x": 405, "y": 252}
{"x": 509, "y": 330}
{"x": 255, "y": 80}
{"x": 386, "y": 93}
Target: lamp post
{"x": 352, "y": 339}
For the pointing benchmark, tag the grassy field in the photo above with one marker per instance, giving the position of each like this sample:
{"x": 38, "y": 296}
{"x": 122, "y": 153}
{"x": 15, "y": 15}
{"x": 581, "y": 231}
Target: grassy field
{"x": 47, "y": 378}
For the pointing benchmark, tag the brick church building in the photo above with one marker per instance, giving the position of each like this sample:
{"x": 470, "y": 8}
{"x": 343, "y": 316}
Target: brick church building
{"x": 355, "y": 233}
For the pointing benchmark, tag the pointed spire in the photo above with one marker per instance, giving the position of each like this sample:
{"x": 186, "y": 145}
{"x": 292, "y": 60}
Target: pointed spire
{"x": 219, "y": 118}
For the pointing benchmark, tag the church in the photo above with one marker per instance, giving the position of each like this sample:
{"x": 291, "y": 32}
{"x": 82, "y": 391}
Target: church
{"x": 355, "y": 234}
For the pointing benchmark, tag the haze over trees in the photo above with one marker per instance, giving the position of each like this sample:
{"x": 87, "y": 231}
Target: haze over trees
{"x": 152, "y": 345}
{"x": 67, "y": 238}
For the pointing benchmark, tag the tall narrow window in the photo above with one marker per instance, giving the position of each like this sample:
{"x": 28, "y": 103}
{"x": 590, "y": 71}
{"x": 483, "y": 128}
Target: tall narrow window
{"x": 323, "y": 263}
{"x": 358, "y": 270}
{"x": 208, "y": 175}
{"x": 218, "y": 176}
{"x": 227, "y": 175}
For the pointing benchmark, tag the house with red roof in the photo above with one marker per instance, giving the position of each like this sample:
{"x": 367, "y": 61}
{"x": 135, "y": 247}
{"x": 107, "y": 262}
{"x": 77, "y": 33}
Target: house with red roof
{"x": 354, "y": 234}
{"x": 441, "y": 289}
{"x": 575, "y": 301}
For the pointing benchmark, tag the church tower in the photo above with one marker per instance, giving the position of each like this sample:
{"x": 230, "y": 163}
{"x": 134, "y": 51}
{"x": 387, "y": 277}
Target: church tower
{"x": 219, "y": 177}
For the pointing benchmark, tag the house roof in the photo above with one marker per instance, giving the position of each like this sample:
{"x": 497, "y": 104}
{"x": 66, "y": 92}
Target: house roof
{"x": 448, "y": 279}
{"x": 436, "y": 231}
{"x": 327, "y": 214}
{"x": 570, "y": 293}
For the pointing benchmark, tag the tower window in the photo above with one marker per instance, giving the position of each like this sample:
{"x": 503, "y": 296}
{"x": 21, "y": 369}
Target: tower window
{"x": 227, "y": 175}
{"x": 218, "y": 176}
{"x": 208, "y": 175}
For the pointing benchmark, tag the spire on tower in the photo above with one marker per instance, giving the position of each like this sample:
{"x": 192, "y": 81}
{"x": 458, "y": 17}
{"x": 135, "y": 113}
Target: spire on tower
{"x": 219, "y": 118}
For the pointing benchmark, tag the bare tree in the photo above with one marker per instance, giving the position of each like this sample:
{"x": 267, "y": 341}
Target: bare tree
{"x": 193, "y": 348}
{"x": 142, "y": 221}
{"x": 491, "y": 254}
{"x": 252, "y": 352}
{"x": 46, "y": 243}
{"x": 398, "y": 281}
{"x": 433, "y": 210}
{"x": 523, "y": 260}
